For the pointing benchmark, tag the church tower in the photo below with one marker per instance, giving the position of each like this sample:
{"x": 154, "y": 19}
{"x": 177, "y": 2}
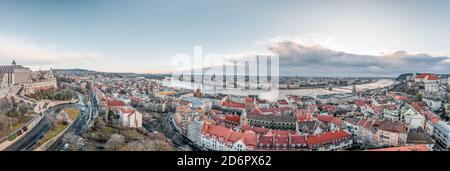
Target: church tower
{"x": 354, "y": 89}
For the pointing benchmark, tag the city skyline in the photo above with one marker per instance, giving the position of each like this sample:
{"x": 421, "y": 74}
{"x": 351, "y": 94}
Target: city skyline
{"x": 353, "y": 38}
{"x": 201, "y": 83}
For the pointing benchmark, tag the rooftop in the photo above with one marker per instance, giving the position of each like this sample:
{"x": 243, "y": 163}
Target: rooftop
{"x": 420, "y": 147}
{"x": 328, "y": 137}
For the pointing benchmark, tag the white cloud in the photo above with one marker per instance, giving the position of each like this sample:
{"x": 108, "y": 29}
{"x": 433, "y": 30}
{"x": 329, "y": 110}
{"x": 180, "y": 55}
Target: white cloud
{"x": 307, "y": 40}
{"x": 316, "y": 59}
{"x": 27, "y": 52}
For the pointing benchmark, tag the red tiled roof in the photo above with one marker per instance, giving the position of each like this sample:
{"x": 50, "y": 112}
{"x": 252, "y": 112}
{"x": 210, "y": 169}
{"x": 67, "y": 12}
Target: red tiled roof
{"x": 369, "y": 124}
{"x": 137, "y": 99}
{"x": 421, "y": 75}
{"x": 402, "y": 98}
{"x": 327, "y": 137}
{"x": 433, "y": 77}
{"x": 298, "y": 139}
{"x": 362, "y": 122}
{"x": 284, "y": 109}
{"x": 378, "y": 109}
{"x": 324, "y": 118}
{"x": 246, "y": 127}
{"x": 212, "y": 111}
{"x": 116, "y": 103}
{"x": 337, "y": 121}
{"x": 233, "y": 104}
{"x": 392, "y": 107}
{"x": 282, "y": 132}
{"x": 235, "y": 136}
{"x": 330, "y": 108}
{"x": 282, "y": 102}
{"x": 363, "y": 102}
{"x": 127, "y": 111}
{"x": 233, "y": 118}
{"x": 123, "y": 110}
{"x": 419, "y": 106}
{"x": 420, "y": 147}
{"x": 266, "y": 140}
{"x": 217, "y": 130}
{"x": 428, "y": 77}
{"x": 304, "y": 117}
{"x": 282, "y": 139}
{"x": 260, "y": 130}
{"x": 435, "y": 119}
{"x": 269, "y": 110}
{"x": 366, "y": 123}
{"x": 392, "y": 126}
{"x": 273, "y": 111}
{"x": 230, "y": 136}
{"x": 250, "y": 139}
{"x": 219, "y": 119}
{"x": 428, "y": 114}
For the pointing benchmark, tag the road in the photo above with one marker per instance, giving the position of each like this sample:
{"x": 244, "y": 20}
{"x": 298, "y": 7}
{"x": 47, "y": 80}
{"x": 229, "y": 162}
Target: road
{"x": 86, "y": 119}
{"x": 79, "y": 125}
{"x": 28, "y": 142}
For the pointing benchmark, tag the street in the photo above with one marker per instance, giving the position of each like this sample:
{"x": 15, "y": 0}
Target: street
{"x": 28, "y": 142}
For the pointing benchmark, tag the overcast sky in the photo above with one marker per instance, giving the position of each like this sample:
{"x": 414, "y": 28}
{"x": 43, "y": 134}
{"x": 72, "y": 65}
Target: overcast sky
{"x": 313, "y": 37}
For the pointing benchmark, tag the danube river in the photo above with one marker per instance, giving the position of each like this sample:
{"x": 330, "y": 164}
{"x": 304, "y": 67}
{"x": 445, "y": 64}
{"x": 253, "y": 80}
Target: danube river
{"x": 276, "y": 94}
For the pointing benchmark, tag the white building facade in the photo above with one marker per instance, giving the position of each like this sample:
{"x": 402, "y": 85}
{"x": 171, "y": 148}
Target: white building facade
{"x": 441, "y": 133}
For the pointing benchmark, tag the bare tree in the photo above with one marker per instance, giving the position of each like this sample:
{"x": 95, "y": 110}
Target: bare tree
{"x": 99, "y": 123}
{"x": 74, "y": 141}
{"x": 158, "y": 145}
{"x": 147, "y": 145}
{"x": 133, "y": 146}
{"x": 115, "y": 142}
{"x": 23, "y": 109}
{"x": 53, "y": 122}
{"x": 4, "y": 122}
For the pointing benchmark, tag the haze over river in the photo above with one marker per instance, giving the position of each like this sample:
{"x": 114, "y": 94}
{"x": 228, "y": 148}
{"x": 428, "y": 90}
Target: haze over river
{"x": 209, "y": 89}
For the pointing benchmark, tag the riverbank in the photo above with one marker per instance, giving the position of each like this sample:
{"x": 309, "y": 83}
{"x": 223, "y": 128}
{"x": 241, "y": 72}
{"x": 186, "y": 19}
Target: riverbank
{"x": 281, "y": 94}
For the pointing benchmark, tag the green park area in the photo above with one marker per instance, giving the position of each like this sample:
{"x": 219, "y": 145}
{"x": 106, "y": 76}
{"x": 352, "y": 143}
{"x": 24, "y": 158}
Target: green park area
{"x": 13, "y": 120}
{"x": 53, "y": 94}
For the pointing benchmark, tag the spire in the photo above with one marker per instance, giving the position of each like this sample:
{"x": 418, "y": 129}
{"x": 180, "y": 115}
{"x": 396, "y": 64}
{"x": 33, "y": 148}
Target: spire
{"x": 354, "y": 88}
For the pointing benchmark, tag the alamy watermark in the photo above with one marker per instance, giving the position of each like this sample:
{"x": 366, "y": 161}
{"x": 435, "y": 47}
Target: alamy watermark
{"x": 258, "y": 73}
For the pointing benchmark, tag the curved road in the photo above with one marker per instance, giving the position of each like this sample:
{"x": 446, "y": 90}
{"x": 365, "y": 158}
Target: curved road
{"x": 83, "y": 122}
{"x": 28, "y": 142}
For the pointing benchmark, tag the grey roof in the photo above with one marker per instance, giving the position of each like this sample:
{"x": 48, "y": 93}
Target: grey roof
{"x": 419, "y": 137}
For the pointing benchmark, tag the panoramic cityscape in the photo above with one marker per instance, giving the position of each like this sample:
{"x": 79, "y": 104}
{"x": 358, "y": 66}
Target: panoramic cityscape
{"x": 82, "y": 110}
{"x": 208, "y": 76}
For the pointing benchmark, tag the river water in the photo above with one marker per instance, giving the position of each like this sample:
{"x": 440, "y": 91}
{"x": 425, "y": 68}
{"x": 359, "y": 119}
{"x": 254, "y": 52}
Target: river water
{"x": 273, "y": 95}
